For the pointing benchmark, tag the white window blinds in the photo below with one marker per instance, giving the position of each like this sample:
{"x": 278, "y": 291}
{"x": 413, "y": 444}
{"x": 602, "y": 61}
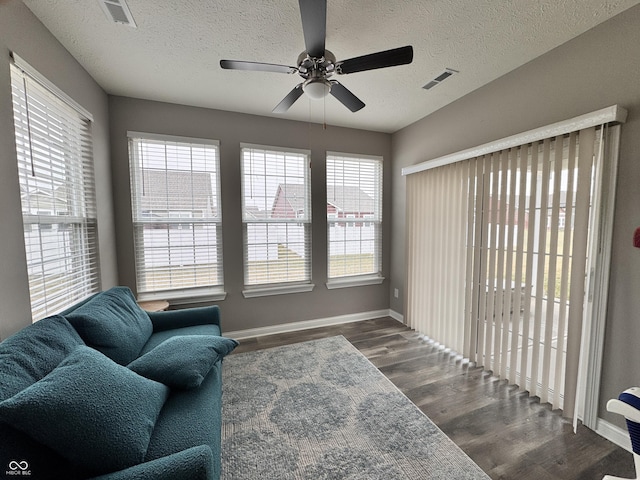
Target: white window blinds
{"x": 175, "y": 190}
{"x": 55, "y": 167}
{"x": 354, "y": 215}
{"x": 276, "y": 214}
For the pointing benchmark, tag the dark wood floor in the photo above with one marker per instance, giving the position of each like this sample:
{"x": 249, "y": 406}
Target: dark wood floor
{"x": 507, "y": 433}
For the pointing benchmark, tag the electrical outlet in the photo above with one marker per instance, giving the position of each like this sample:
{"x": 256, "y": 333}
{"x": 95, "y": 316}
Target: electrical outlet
{"x": 395, "y": 292}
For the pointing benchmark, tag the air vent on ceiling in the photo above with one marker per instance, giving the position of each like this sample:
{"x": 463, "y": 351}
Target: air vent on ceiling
{"x": 440, "y": 78}
{"x": 117, "y": 11}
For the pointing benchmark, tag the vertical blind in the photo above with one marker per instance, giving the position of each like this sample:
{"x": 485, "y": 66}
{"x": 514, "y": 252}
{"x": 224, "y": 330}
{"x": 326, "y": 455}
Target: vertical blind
{"x": 175, "y": 189}
{"x": 354, "y": 215}
{"x": 497, "y": 249}
{"x": 276, "y": 214}
{"x": 437, "y": 219}
{"x": 55, "y": 168}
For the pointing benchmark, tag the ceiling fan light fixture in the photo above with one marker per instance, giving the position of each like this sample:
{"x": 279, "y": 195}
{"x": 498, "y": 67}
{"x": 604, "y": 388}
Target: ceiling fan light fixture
{"x": 317, "y": 88}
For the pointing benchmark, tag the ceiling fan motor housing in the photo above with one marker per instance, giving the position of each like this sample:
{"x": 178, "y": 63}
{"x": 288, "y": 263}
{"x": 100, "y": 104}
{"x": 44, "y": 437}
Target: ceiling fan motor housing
{"x": 309, "y": 66}
{"x": 316, "y": 71}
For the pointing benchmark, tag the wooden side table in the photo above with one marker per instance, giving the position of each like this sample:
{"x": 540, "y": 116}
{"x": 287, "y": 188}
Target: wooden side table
{"x": 154, "y": 305}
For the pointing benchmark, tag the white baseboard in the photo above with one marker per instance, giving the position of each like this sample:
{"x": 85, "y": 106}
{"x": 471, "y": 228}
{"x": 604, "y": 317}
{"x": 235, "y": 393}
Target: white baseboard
{"x": 396, "y": 316}
{"x": 614, "y": 434}
{"x": 304, "y": 325}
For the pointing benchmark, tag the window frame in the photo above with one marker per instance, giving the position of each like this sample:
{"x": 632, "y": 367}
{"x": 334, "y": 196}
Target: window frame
{"x": 174, "y": 221}
{"x": 369, "y": 220}
{"x": 260, "y": 289}
{"x": 54, "y": 153}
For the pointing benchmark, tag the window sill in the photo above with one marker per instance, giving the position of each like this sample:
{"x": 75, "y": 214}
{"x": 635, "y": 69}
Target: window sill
{"x": 347, "y": 282}
{"x": 279, "y": 290}
{"x": 186, "y": 296}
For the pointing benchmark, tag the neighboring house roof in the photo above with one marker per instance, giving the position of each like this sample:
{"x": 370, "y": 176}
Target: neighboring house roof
{"x": 291, "y": 196}
{"x": 40, "y": 199}
{"x": 175, "y": 190}
{"x": 348, "y": 199}
{"x": 255, "y": 213}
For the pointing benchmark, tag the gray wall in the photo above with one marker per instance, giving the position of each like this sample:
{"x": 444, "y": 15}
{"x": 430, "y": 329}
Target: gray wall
{"x": 598, "y": 69}
{"x": 22, "y": 32}
{"x": 231, "y": 129}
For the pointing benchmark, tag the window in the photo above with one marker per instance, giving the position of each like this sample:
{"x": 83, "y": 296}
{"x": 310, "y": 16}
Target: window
{"x": 276, "y": 213}
{"x": 55, "y": 169}
{"x": 354, "y": 218}
{"x": 175, "y": 190}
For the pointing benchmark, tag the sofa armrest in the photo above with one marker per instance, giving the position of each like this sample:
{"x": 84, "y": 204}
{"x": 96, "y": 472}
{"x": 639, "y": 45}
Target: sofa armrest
{"x": 186, "y": 317}
{"x": 195, "y": 463}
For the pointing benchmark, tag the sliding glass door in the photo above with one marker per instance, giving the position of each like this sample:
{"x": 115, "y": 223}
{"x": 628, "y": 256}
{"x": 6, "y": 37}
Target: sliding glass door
{"x": 500, "y": 249}
{"x": 532, "y": 207}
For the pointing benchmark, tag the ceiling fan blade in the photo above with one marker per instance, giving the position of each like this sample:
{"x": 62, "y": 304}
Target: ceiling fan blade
{"x": 387, "y": 58}
{"x": 314, "y": 25}
{"x": 289, "y": 100}
{"x": 345, "y": 96}
{"x": 256, "y": 66}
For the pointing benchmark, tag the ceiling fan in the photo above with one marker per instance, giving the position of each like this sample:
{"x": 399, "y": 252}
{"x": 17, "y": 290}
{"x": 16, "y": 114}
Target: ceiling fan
{"x": 317, "y": 65}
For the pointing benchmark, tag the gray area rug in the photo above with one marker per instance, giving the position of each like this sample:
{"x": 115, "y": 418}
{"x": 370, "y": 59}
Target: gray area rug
{"x": 320, "y": 410}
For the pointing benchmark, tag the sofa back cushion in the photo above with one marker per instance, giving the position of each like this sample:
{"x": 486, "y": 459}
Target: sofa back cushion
{"x": 112, "y": 323}
{"x": 26, "y": 357}
{"x": 33, "y": 352}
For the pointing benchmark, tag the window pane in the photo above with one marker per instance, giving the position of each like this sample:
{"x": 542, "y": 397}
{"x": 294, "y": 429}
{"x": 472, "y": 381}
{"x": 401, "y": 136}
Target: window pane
{"x": 176, "y": 213}
{"x": 276, "y": 253}
{"x": 277, "y": 216}
{"x": 55, "y": 168}
{"x": 354, "y": 215}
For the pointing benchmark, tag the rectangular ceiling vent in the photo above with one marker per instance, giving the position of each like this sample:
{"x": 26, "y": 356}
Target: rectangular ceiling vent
{"x": 440, "y": 78}
{"x": 118, "y": 12}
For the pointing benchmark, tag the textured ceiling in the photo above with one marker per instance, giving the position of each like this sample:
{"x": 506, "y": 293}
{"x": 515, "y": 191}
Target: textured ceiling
{"x": 174, "y": 54}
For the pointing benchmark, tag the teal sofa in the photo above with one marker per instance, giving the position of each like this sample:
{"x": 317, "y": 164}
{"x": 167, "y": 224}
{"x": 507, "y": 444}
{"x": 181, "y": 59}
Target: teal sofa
{"x": 108, "y": 391}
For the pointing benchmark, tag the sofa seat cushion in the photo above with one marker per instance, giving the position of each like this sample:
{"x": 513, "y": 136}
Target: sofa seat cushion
{"x": 113, "y": 323}
{"x": 97, "y": 414}
{"x": 33, "y": 352}
{"x": 200, "y": 410}
{"x": 183, "y": 361}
